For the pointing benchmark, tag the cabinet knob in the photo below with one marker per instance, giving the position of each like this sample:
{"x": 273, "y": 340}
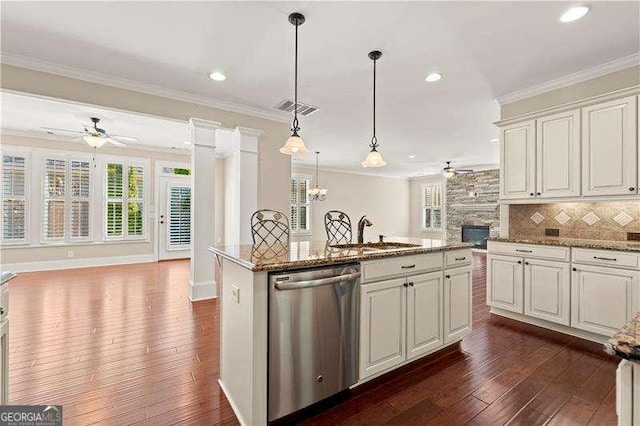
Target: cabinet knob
{"x": 632, "y": 189}
{"x": 405, "y": 285}
{"x": 526, "y": 263}
{"x": 411, "y": 284}
{"x": 573, "y": 269}
{"x": 531, "y": 194}
{"x": 538, "y": 193}
{"x": 447, "y": 276}
{"x": 519, "y": 262}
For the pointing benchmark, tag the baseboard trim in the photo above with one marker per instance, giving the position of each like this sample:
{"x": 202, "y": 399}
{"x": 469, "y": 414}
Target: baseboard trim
{"x": 202, "y": 291}
{"x": 551, "y": 325}
{"x": 54, "y": 265}
{"x": 232, "y": 403}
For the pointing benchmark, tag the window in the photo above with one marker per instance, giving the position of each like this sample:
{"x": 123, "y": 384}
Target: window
{"x": 124, "y": 205}
{"x": 14, "y": 198}
{"x": 66, "y": 199}
{"x": 431, "y": 207}
{"x": 300, "y": 207}
{"x": 179, "y": 216}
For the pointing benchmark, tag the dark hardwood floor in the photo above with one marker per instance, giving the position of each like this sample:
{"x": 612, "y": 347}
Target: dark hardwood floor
{"x": 123, "y": 345}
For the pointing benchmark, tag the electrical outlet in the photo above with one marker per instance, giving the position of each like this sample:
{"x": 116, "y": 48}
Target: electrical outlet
{"x": 552, "y": 232}
{"x": 235, "y": 293}
{"x": 70, "y": 254}
{"x": 633, "y": 236}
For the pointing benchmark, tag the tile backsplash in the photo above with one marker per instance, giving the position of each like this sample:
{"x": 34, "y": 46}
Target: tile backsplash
{"x": 610, "y": 220}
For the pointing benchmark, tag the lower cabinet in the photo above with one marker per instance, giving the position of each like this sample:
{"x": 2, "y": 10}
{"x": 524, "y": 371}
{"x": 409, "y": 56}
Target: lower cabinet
{"x": 604, "y": 299}
{"x": 424, "y": 314}
{"x": 547, "y": 290}
{"x": 382, "y": 325}
{"x": 457, "y": 303}
{"x": 504, "y": 279}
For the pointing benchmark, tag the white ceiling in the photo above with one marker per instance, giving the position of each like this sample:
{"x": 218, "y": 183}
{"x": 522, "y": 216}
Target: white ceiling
{"x": 27, "y": 114}
{"x": 484, "y": 50}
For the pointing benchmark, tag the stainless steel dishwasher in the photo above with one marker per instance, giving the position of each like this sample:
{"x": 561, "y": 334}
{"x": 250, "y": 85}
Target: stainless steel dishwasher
{"x": 313, "y": 336}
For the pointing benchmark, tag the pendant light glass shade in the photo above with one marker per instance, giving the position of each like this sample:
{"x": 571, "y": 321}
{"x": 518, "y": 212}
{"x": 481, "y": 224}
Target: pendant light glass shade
{"x": 95, "y": 141}
{"x": 374, "y": 159}
{"x": 448, "y": 174}
{"x": 295, "y": 144}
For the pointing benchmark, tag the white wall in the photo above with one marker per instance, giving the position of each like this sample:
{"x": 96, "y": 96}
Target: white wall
{"x": 416, "y": 206}
{"x": 384, "y": 200}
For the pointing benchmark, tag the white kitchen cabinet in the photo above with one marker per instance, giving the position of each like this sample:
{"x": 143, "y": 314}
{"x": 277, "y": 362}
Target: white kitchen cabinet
{"x": 517, "y": 161}
{"x": 457, "y": 303}
{"x": 558, "y": 155}
{"x": 4, "y": 362}
{"x": 603, "y": 299}
{"x": 609, "y": 148}
{"x": 424, "y": 314}
{"x": 382, "y": 326}
{"x": 505, "y": 282}
{"x": 547, "y": 290}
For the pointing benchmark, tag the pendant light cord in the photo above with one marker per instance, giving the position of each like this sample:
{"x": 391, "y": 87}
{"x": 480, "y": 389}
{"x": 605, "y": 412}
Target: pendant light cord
{"x": 374, "y": 139}
{"x": 295, "y": 92}
{"x": 317, "y": 182}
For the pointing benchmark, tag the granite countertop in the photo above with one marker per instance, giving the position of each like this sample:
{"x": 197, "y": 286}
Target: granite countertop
{"x": 626, "y": 342}
{"x": 632, "y": 246}
{"x": 301, "y": 254}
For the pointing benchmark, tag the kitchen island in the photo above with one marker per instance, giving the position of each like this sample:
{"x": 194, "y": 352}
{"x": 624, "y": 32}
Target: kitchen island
{"x": 412, "y": 298}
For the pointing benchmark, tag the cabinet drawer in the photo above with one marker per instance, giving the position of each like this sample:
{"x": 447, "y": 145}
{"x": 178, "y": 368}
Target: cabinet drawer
{"x": 530, "y": 250}
{"x": 456, "y": 258}
{"x": 618, "y": 259}
{"x": 403, "y": 265}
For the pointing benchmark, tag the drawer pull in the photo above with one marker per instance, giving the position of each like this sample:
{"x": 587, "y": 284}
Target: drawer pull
{"x": 524, "y": 251}
{"x": 461, "y": 258}
{"x": 408, "y": 266}
{"x": 612, "y": 259}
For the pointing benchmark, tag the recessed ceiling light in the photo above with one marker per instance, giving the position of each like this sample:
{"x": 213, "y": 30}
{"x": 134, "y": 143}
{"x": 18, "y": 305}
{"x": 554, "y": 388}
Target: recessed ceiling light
{"x": 217, "y": 76}
{"x": 434, "y": 76}
{"x": 412, "y": 156}
{"x": 574, "y": 13}
{"x": 494, "y": 140}
{"x": 186, "y": 143}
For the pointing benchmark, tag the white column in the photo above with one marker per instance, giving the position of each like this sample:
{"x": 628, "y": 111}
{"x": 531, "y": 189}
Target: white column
{"x": 241, "y": 185}
{"x": 203, "y": 141}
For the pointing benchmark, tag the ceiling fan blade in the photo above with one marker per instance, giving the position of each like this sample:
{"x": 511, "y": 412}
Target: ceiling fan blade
{"x": 124, "y": 138}
{"x": 53, "y": 130}
{"x": 464, "y": 171}
{"x": 115, "y": 142}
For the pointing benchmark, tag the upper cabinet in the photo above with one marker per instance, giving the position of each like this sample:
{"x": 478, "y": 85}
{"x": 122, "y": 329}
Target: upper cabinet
{"x": 558, "y": 155}
{"x": 589, "y": 152}
{"x": 609, "y": 148}
{"x": 517, "y": 163}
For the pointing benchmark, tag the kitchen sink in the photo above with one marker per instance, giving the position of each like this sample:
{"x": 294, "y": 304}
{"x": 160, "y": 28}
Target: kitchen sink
{"x": 375, "y": 246}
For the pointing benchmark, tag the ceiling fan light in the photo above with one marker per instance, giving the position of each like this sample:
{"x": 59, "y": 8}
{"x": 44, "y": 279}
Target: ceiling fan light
{"x": 374, "y": 159}
{"x": 294, "y": 146}
{"x": 448, "y": 174}
{"x": 95, "y": 141}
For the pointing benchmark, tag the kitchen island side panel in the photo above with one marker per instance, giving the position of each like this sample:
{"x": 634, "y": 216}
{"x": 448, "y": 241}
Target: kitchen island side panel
{"x": 243, "y": 348}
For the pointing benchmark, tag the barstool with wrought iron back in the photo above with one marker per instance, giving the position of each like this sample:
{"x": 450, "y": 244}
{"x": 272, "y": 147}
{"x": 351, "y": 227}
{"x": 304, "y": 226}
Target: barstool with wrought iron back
{"x": 269, "y": 227}
{"x": 338, "y": 227}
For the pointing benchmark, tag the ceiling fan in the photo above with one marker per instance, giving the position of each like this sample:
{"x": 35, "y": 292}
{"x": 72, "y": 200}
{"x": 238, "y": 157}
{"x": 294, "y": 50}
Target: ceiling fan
{"x": 450, "y": 171}
{"x": 94, "y": 135}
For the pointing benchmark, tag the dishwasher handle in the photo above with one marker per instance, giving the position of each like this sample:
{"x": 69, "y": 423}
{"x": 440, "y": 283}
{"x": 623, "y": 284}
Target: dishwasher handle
{"x": 296, "y": 285}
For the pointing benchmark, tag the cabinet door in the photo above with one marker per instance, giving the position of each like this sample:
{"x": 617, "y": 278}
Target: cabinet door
{"x": 457, "y": 304}
{"x": 517, "y": 161}
{"x": 547, "y": 290}
{"x": 505, "y": 282}
{"x": 558, "y": 155}
{"x": 603, "y": 299}
{"x": 424, "y": 314}
{"x": 382, "y": 326}
{"x": 609, "y": 148}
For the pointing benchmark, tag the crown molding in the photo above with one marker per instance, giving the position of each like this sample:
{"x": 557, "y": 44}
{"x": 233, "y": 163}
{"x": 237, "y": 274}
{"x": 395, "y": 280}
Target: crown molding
{"x": 137, "y": 86}
{"x": 568, "y": 80}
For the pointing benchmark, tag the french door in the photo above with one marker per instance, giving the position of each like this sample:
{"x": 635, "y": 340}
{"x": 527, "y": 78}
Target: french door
{"x": 174, "y": 218}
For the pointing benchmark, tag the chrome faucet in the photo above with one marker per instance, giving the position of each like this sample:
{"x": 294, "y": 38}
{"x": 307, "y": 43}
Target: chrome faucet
{"x": 361, "y": 224}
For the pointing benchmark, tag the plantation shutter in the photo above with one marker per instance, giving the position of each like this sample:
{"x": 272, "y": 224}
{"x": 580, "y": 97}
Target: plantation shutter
{"x": 54, "y": 199}
{"x": 294, "y": 205}
{"x": 115, "y": 200}
{"x": 14, "y": 195}
{"x": 300, "y": 220}
{"x": 432, "y": 207}
{"x": 179, "y": 216}
{"x": 125, "y": 204}
{"x": 135, "y": 205}
{"x": 79, "y": 202}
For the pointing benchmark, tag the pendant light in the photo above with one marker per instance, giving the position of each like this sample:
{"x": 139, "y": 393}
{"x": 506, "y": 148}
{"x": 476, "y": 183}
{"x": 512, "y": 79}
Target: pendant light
{"x": 374, "y": 159}
{"x": 295, "y": 144}
{"x": 317, "y": 194}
